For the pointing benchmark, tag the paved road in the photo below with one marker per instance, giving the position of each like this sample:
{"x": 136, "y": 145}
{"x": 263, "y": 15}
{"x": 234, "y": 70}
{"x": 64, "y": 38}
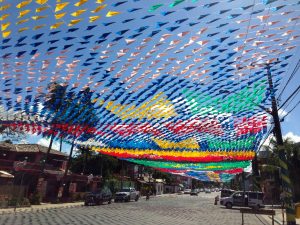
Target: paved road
{"x": 172, "y": 210}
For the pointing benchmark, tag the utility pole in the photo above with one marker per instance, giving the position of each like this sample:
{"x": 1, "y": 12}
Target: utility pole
{"x": 286, "y": 182}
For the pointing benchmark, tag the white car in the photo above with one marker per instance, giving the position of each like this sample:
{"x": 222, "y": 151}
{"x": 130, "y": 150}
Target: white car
{"x": 187, "y": 191}
{"x": 245, "y": 199}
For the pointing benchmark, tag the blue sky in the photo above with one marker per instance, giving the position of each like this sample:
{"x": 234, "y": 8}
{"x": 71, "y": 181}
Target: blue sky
{"x": 217, "y": 30}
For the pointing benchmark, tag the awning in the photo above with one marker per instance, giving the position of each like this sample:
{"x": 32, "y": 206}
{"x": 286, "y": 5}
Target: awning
{"x": 5, "y": 174}
{"x": 180, "y": 185}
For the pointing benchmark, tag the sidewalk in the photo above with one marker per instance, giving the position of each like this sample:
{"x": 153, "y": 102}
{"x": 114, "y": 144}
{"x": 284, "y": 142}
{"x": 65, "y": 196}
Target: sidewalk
{"x": 278, "y": 218}
{"x": 45, "y": 206}
{"x": 38, "y": 208}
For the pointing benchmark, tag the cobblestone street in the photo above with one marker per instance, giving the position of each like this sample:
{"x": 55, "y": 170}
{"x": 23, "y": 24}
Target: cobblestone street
{"x": 181, "y": 209}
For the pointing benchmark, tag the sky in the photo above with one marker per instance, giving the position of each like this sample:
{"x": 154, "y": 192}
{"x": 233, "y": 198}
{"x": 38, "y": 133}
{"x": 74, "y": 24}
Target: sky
{"x": 290, "y": 127}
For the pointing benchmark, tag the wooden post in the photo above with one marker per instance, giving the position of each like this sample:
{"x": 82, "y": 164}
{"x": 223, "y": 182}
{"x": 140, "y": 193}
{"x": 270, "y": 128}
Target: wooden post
{"x": 272, "y": 219}
{"x": 242, "y": 218}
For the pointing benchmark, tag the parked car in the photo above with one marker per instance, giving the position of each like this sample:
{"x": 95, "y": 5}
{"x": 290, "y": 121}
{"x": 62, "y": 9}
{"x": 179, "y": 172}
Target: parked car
{"x": 127, "y": 194}
{"x": 201, "y": 190}
{"x": 98, "y": 197}
{"x": 187, "y": 191}
{"x": 245, "y": 199}
{"x": 217, "y": 189}
{"x": 194, "y": 192}
{"x": 207, "y": 190}
{"x": 226, "y": 192}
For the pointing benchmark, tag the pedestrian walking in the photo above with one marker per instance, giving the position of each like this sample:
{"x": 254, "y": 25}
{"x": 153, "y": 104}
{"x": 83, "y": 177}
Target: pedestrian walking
{"x": 217, "y": 199}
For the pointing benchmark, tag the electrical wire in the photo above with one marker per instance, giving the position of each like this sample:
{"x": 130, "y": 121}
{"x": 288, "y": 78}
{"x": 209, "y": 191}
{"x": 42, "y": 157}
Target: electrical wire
{"x": 290, "y": 97}
{"x": 291, "y": 110}
{"x": 291, "y": 77}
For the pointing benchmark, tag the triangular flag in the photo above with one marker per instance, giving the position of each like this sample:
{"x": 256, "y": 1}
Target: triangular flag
{"x": 56, "y": 25}
{"x": 61, "y": 6}
{"x": 6, "y": 34}
{"x": 4, "y": 16}
{"x": 23, "y": 13}
{"x": 23, "y": 29}
{"x": 21, "y": 21}
{"x": 4, "y": 26}
{"x": 41, "y": 9}
{"x": 60, "y": 15}
{"x": 78, "y": 12}
{"x": 81, "y": 2}
{"x": 39, "y": 26}
{"x": 38, "y": 17}
{"x": 94, "y": 18}
{"x": 99, "y": 8}
{"x": 22, "y": 4}
{"x": 41, "y": 2}
{"x": 176, "y": 2}
{"x": 112, "y": 13}
{"x": 73, "y": 22}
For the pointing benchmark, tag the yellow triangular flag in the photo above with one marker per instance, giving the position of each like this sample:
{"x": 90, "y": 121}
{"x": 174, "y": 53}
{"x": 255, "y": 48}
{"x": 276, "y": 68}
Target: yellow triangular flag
{"x": 94, "y": 18}
{"x": 4, "y": 26}
{"x": 2, "y": 8}
{"x": 99, "y": 1}
{"x": 41, "y": 2}
{"x": 6, "y": 34}
{"x": 22, "y": 4}
{"x": 61, "y": 6}
{"x": 23, "y": 29}
{"x": 39, "y": 26}
{"x": 4, "y": 16}
{"x": 38, "y": 17}
{"x": 81, "y": 2}
{"x": 23, "y": 13}
{"x": 22, "y": 21}
{"x": 78, "y": 12}
{"x": 73, "y": 22}
{"x": 41, "y": 9}
{"x": 56, "y": 25}
{"x": 58, "y": 16}
{"x": 112, "y": 13}
{"x": 99, "y": 8}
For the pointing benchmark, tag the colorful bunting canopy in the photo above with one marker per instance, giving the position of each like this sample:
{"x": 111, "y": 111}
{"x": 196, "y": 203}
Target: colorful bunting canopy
{"x": 178, "y": 85}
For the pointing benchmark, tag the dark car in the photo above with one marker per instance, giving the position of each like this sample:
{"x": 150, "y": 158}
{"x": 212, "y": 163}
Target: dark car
{"x": 98, "y": 197}
{"x": 194, "y": 192}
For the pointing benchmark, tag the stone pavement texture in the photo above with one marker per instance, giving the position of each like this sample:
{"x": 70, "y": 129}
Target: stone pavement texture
{"x": 278, "y": 219}
{"x": 171, "y": 210}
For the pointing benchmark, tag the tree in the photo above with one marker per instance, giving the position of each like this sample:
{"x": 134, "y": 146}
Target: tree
{"x": 292, "y": 152}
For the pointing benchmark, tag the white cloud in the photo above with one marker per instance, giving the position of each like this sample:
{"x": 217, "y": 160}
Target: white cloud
{"x": 46, "y": 142}
{"x": 292, "y": 136}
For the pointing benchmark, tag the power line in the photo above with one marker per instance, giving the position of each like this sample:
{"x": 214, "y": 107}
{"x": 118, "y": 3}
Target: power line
{"x": 291, "y": 77}
{"x": 291, "y": 96}
{"x": 291, "y": 110}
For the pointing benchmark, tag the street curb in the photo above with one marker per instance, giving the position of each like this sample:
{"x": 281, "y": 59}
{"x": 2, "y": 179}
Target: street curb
{"x": 276, "y": 220}
{"x": 26, "y": 210}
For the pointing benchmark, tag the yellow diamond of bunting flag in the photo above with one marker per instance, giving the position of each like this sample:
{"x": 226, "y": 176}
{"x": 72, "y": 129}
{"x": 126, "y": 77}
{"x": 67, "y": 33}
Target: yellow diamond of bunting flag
{"x": 39, "y": 26}
{"x": 2, "y": 8}
{"x": 4, "y": 26}
{"x": 38, "y": 17}
{"x": 112, "y": 13}
{"x": 99, "y": 8}
{"x": 189, "y": 143}
{"x": 94, "y": 18}
{"x": 4, "y": 16}
{"x": 61, "y": 6}
{"x": 23, "y": 4}
{"x": 6, "y": 34}
{"x": 23, "y": 29}
{"x": 23, "y": 13}
{"x": 60, "y": 15}
{"x": 41, "y": 2}
{"x": 81, "y": 2}
{"x": 41, "y": 9}
{"x": 56, "y": 25}
{"x": 78, "y": 12}
{"x": 21, "y": 21}
{"x": 99, "y": 1}
{"x": 73, "y": 22}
